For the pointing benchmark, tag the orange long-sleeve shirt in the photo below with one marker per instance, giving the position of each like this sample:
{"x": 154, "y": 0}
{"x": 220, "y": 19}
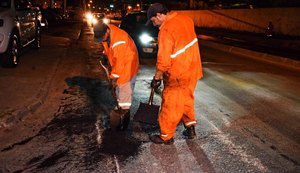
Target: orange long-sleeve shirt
{"x": 122, "y": 55}
{"x": 178, "y": 54}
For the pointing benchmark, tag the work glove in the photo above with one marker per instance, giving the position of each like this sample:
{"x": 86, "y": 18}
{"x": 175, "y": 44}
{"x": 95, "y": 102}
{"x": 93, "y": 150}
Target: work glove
{"x": 103, "y": 58}
{"x": 155, "y": 83}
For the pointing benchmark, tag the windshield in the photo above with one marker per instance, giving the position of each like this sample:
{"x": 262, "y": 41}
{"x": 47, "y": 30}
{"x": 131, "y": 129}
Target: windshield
{"x": 142, "y": 19}
{"x": 5, "y": 3}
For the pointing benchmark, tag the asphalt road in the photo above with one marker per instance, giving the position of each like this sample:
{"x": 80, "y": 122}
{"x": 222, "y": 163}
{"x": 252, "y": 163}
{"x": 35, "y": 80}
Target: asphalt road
{"x": 247, "y": 112}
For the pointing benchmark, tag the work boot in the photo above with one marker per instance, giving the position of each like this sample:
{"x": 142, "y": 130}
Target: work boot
{"x": 125, "y": 119}
{"x": 157, "y": 140}
{"x": 190, "y": 132}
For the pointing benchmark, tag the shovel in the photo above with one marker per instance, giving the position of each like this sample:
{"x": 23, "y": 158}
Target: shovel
{"x": 147, "y": 113}
{"x": 101, "y": 62}
{"x": 116, "y": 117}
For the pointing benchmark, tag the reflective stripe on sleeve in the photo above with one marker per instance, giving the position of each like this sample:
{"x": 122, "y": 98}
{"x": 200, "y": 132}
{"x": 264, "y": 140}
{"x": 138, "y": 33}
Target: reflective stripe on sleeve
{"x": 190, "y": 123}
{"x": 118, "y": 43}
{"x": 183, "y": 49}
{"x": 115, "y": 75}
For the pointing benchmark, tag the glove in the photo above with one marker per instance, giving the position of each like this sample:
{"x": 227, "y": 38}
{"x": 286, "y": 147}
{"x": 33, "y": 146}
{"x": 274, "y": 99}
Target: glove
{"x": 155, "y": 83}
{"x": 103, "y": 58}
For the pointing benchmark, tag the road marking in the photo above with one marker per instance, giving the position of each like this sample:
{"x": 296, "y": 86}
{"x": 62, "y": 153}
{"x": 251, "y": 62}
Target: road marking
{"x": 97, "y": 124}
{"x": 238, "y": 150}
{"x": 117, "y": 164}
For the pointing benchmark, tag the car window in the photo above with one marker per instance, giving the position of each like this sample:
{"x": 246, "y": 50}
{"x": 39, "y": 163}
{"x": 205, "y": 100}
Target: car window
{"x": 130, "y": 19}
{"x": 134, "y": 19}
{"x": 141, "y": 19}
{"x": 5, "y": 3}
{"x": 22, "y": 4}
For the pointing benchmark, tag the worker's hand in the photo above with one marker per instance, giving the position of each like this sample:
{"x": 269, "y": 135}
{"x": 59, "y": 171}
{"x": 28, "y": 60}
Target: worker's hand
{"x": 155, "y": 83}
{"x": 103, "y": 58}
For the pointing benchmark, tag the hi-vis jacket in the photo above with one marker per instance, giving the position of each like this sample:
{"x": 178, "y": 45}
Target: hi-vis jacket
{"x": 122, "y": 55}
{"x": 178, "y": 54}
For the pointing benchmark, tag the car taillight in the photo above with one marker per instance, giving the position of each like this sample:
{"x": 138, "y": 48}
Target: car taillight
{"x": 1, "y": 22}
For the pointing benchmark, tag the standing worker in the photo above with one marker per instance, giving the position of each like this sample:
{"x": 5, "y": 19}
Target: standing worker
{"x": 179, "y": 66}
{"x": 123, "y": 58}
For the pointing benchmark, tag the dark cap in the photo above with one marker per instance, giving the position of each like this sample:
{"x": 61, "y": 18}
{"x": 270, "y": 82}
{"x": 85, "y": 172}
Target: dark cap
{"x": 156, "y": 8}
{"x": 99, "y": 31}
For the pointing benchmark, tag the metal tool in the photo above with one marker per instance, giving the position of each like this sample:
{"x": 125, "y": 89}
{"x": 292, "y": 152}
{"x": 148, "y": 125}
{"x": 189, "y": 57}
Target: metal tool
{"x": 147, "y": 113}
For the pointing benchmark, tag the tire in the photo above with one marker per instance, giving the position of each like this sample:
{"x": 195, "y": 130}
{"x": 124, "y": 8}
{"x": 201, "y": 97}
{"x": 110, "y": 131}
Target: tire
{"x": 10, "y": 58}
{"x": 37, "y": 40}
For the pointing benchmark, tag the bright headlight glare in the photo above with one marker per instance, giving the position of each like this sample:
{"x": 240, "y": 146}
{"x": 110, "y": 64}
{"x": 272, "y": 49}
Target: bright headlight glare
{"x": 105, "y": 20}
{"x": 89, "y": 15}
{"x": 145, "y": 38}
{"x": 95, "y": 21}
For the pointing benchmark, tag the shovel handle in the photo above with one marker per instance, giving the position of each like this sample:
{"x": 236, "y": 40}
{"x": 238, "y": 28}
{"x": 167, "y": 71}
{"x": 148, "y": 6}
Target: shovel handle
{"x": 151, "y": 96}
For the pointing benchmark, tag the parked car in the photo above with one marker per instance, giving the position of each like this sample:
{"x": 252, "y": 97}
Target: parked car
{"x": 145, "y": 37}
{"x": 20, "y": 25}
{"x": 52, "y": 17}
{"x": 100, "y": 16}
{"x": 93, "y": 18}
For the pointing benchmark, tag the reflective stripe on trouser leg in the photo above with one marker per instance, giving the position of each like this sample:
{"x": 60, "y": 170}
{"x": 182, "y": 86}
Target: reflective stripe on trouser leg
{"x": 189, "y": 110}
{"x": 125, "y": 93}
{"x": 171, "y": 111}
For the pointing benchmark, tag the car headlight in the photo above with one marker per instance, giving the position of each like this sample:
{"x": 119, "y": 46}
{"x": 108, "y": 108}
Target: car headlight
{"x": 94, "y": 21}
{"x": 146, "y": 38}
{"x": 106, "y": 20}
{"x": 89, "y": 15}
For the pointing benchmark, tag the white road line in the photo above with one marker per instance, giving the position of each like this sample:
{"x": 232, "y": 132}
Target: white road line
{"x": 117, "y": 164}
{"x": 237, "y": 150}
{"x": 97, "y": 124}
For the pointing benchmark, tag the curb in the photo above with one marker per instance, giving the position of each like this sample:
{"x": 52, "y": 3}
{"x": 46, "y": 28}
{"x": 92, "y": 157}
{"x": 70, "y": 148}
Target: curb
{"x": 277, "y": 60}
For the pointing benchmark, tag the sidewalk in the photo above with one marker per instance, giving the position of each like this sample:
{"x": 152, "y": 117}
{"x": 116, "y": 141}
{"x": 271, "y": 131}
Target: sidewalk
{"x": 276, "y": 49}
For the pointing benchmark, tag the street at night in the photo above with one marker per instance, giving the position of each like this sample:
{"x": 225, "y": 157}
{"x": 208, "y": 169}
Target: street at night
{"x": 247, "y": 114}
{"x": 56, "y": 99}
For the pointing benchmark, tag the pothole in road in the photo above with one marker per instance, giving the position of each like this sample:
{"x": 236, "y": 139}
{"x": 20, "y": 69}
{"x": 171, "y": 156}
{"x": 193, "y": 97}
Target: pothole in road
{"x": 69, "y": 141}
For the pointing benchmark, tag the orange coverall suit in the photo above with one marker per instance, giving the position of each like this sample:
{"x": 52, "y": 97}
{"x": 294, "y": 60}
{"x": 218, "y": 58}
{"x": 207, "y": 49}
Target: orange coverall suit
{"x": 179, "y": 60}
{"x": 123, "y": 58}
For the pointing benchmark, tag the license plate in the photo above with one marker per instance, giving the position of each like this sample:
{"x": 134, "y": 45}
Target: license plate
{"x": 148, "y": 50}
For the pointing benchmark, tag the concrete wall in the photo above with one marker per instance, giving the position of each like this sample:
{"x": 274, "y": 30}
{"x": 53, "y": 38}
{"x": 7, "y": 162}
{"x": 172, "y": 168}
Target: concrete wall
{"x": 286, "y": 21}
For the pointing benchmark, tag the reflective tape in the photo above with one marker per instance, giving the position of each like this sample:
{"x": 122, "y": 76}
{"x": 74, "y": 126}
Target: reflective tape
{"x": 118, "y": 43}
{"x": 190, "y": 123}
{"x": 163, "y": 135}
{"x": 115, "y": 75}
{"x": 124, "y": 104}
{"x": 183, "y": 49}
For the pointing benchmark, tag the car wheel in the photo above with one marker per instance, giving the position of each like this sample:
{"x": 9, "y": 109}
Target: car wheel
{"x": 10, "y": 58}
{"x": 37, "y": 40}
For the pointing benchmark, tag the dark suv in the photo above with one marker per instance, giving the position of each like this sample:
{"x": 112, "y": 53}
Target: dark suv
{"x": 145, "y": 37}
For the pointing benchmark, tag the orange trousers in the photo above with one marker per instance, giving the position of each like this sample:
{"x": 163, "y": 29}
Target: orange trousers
{"x": 177, "y": 105}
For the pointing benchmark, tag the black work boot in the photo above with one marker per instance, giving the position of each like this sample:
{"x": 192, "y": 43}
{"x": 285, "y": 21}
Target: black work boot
{"x": 190, "y": 132}
{"x": 157, "y": 140}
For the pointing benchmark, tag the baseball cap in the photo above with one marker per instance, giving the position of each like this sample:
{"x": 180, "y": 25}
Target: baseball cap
{"x": 154, "y": 9}
{"x": 99, "y": 31}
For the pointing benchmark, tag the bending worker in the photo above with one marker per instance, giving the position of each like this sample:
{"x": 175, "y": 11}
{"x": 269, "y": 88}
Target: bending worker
{"x": 123, "y": 58}
{"x": 179, "y": 66}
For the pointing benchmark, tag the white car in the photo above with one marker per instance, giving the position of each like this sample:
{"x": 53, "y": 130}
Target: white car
{"x": 20, "y": 25}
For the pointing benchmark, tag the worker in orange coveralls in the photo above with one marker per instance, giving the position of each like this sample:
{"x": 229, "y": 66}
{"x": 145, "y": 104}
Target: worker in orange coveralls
{"x": 179, "y": 66}
{"x": 123, "y": 58}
